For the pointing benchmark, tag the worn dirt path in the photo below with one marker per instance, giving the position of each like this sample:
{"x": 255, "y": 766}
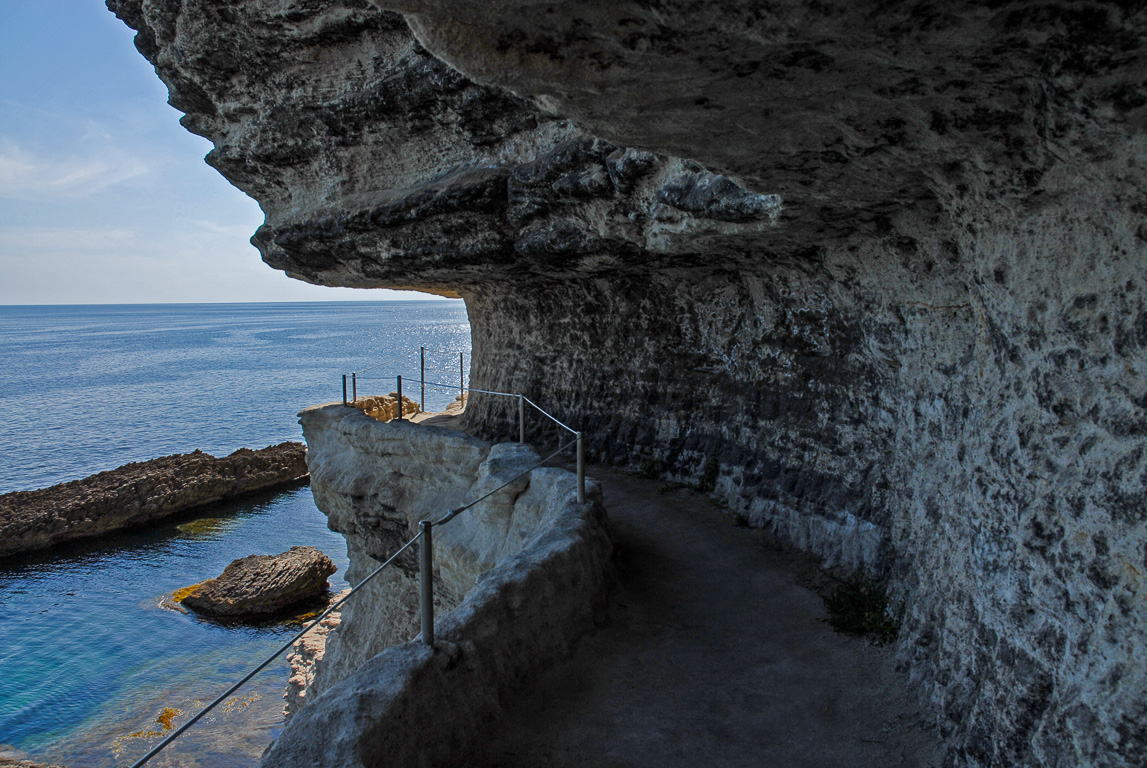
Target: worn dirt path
{"x": 714, "y": 654}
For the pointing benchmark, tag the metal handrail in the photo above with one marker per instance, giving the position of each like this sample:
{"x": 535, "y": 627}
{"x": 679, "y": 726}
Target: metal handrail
{"x": 426, "y": 576}
{"x": 426, "y": 528}
{"x": 456, "y": 386}
{"x": 549, "y": 415}
{"x": 426, "y": 557}
{"x": 159, "y": 747}
{"x": 386, "y": 362}
{"x": 453, "y": 513}
{"x": 355, "y": 375}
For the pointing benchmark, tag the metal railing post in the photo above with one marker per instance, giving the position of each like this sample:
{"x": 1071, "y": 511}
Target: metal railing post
{"x": 462, "y": 377}
{"x": 426, "y": 578}
{"x": 399, "y": 417}
{"x": 422, "y": 357}
{"x": 580, "y": 468}
{"x": 521, "y": 419}
{"x": 354, "y": 387}
{"x": 344, "y": 389}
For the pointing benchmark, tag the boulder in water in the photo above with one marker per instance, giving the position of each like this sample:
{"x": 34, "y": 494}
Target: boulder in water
{"x": 258, "y": 585}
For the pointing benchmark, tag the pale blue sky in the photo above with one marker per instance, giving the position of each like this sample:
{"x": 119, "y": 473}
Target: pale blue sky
{"x": 104, "y": 198}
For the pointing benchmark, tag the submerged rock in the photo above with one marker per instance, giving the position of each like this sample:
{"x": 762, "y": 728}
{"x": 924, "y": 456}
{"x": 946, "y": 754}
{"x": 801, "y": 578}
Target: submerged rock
{"x": 140, "y": 492}
{"x": 258, "y": 585}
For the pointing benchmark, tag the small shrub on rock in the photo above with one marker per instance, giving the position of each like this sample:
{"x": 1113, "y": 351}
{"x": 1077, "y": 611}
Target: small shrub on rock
{"x": 860, "y": 607}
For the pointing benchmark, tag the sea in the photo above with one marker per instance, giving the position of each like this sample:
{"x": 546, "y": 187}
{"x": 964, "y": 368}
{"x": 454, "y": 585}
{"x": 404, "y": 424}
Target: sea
{"x": 95, "y": 670}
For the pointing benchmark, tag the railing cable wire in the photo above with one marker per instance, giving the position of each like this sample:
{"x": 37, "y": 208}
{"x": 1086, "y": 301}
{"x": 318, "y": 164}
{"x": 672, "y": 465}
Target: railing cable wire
{"x": 549, "y": 415}
{"x": 387, "y": 362}
{"x": 455, "y": 512}
{"x": 159, "y": 747}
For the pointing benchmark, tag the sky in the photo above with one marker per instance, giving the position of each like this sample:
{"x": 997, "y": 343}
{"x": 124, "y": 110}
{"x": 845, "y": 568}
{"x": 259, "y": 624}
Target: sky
{"x": 104, "y": 197}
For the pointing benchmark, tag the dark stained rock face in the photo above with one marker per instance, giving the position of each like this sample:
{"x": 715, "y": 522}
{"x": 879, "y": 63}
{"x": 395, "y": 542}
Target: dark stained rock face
{"x": 883, "y": 265}
{"x": 258, "y": 585}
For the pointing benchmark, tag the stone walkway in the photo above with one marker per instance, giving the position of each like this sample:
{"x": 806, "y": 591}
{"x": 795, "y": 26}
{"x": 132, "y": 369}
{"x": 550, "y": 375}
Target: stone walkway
{"x": 714, "y": 654}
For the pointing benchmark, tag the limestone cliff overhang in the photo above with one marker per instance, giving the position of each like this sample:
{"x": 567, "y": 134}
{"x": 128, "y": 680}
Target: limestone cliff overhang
{"x": 447, "y": 146}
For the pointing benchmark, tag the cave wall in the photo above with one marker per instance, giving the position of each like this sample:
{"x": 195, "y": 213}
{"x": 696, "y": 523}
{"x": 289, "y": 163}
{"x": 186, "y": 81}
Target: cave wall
{"x": 974, "y": 431}
{"x": 881, "y": 266}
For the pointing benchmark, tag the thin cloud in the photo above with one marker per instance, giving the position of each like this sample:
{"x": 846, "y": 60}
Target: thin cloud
{"x": 24, "y": 176}
{"x": 32, "y": 240}
{"x": 237, "y": 231}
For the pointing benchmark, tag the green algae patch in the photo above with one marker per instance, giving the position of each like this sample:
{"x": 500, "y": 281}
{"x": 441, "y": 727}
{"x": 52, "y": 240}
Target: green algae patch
{"x": 205, "y": 527}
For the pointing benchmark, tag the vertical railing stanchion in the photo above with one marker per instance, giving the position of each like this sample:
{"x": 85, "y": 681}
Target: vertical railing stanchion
{"x": 580, "y": 468}
{"x": 399, "y": 416}
{"x": 521, "y": 419}
{"x": 462, "y": 377}
{"x": 426, "y": 577}
{"x": 354, "y": 387}
{"x": 422, "y": 358}
{"x": 344, "y": 389}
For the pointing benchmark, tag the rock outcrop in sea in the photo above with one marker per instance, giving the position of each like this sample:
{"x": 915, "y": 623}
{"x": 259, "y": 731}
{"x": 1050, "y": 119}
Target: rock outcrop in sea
{"x": 141, "y": 492}
{"x": 875, "y": 273}
{"x": 259, "y": 585}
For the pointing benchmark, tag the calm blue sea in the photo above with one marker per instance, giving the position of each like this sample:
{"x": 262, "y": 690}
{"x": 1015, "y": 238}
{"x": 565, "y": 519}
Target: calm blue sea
{"x": 88, "y": 658}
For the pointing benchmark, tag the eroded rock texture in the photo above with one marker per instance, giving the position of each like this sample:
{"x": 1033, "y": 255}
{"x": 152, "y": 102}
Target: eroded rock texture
{"x": 518, "y": 579}
{"x": 258, "y": 585}
{"x": 141, "y": 492}
{"x": 883, "y": 263}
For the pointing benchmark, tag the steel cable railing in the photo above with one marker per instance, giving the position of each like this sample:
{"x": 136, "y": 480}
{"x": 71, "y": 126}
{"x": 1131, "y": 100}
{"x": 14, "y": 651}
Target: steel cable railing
{"x": 426, "y": 554}
{"x": 198, "y": 715}
{"x": 390, "y": 361}
{"x": 356, "y": 375}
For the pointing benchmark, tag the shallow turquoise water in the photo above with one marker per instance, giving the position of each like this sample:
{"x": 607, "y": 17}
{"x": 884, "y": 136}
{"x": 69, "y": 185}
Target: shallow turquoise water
{"x": 87, "y": 655}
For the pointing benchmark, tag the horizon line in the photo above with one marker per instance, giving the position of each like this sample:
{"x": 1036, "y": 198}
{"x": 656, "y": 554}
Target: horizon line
{"x": 218, "y": 303}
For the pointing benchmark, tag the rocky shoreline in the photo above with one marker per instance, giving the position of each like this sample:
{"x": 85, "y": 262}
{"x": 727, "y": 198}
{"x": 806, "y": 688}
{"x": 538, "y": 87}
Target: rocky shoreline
{"x": 305, "y": 655}
{"x": 141, "y": 492}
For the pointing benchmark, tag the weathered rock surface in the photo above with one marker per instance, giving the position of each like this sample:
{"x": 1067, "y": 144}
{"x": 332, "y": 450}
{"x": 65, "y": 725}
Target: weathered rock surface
{"x": 304, "y": 656}
{"x": 385, "y": 407}
{"x": 141, "y": 492}
{"x": 258, "y": 585}
{"x": 881, "y": 265}
{"x": 517, "y": 580}
{"x": 12, "y": 763}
